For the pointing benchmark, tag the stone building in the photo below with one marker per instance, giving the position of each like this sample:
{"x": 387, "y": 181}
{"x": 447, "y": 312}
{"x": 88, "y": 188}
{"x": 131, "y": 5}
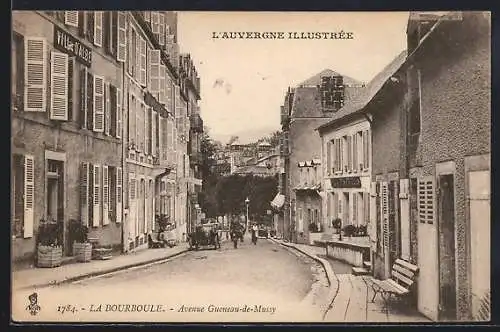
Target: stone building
{"x": 308, "y": 106}
{"x": 67, "y": 126}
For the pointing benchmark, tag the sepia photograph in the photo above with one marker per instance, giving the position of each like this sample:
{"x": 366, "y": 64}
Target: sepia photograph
{"x": 250, "y": 167}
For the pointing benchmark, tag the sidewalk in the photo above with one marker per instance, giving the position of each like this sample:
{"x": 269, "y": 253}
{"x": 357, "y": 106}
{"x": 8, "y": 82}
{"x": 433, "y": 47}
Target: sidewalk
{"x": 351, "y": 300}
{"x": 42, "y": 277}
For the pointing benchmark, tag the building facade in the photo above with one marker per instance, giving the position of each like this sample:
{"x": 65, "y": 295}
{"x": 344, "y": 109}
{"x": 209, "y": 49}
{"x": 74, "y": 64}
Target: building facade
{"x": 307, "y": 107}
{"x": 97, "y": 112}
{"x": 66, "y": 128}
{"x": 448, "y": 161}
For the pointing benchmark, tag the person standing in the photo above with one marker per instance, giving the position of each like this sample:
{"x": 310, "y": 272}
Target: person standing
{"x": 255, "y": 229}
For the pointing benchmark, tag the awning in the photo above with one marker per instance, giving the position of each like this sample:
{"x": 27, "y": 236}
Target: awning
{"x": 278, "y": 201}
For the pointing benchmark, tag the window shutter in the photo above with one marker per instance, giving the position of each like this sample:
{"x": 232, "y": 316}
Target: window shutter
{"x": 113, "y": 30}
{"x": 140, "y": 124}
{"x": 105, "y": 195}
{"x": 153, "y": 133}
{"x": 168, "y": 92}
{"x": 161, "y": 29}
{"x": 368, "y": 144}
{"x": 373, "y": 212}
{"x": 83, "y": 98}
{"x": 355, "y": 208}
{"x": 328, "y": 157}
{"x": 425, "y": 200}
{"x": 59, "y": 86}
{"x": 71, "y": 83}
{"x": 154, "y": 21}
{"x": 119, "y": 113}
{"x": 384, "y": 204}
{"x": 119, "y": 198}
{"x": 98, "y": 28}
{"x": 137, "y": 56}
{"x": 84, "y": 193}
{"x": 96, "y": 216}
{"x": 355, "y": 152}
{"x": 121, "y": 54}
{"x": 90, "y": 101}
{"x": 168, "y": 143}
{"x": 35, "y": 74}
{"x": 147, "y": 129}
{"x": 341, "y": 154}
{"x": 161, "y": 98}
{"x": 98, "y": 104}
{"x": 334, "y": 147}
{"x": 154, "y": 70}
{"x": 71, "y": 18}
{"x": 131, "y": 119}
{"x": 143, "y": 49}
{"x": 29, "y": 195}
{"x": 113, "y": 108}
{"x": 107, "y": 108}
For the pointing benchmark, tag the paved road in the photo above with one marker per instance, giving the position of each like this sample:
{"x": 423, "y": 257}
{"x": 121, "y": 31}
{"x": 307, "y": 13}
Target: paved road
{"x": 265, "y": 282}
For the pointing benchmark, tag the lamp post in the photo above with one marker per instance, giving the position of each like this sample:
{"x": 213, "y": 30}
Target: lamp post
{"x": 247, "y": 201}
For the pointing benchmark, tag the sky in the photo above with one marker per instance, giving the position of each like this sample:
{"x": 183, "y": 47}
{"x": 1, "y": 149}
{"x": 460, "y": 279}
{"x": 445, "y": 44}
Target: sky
{"x": 243, "y": 81}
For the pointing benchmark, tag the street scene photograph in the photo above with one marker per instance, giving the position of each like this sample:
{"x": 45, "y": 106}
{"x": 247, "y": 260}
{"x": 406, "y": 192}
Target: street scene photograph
{"x": 250, "y": 167}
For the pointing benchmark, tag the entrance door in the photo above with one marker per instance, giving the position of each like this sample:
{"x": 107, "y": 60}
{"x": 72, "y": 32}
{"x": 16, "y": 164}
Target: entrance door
{"x": 428, "y": 277}
{"x": 446, "y": 222}
{"x": 479, "y": 204}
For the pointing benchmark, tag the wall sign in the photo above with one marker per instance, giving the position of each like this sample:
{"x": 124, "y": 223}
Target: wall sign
{"x": 66, "y": 43}
{"x": 347, "y": 182}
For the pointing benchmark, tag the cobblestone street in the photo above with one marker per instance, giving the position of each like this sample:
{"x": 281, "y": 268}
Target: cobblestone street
{"x": 205, "y": 280}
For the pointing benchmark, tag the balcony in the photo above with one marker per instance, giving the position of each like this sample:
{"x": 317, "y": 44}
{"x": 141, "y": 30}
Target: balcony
{"x": 196, "y": 123}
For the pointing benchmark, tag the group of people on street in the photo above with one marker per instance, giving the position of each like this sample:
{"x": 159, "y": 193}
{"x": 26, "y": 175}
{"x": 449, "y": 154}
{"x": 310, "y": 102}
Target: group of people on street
{"x": 237, "y": 232}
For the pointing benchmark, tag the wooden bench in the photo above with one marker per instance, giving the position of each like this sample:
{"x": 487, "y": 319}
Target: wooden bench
{"x": 400, "y": 283}
{"x": 154, "y": 241}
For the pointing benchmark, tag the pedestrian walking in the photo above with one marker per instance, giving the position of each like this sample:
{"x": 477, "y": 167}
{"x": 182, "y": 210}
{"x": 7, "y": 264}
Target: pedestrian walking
{"x": 255, "y": 229}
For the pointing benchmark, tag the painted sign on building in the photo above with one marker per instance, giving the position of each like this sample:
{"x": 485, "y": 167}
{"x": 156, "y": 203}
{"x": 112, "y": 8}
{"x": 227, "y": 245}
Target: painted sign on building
{"x": 70, "y": 45}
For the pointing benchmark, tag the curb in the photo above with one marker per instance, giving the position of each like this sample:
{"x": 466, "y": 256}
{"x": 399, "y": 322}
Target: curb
{"x": 103, "y": 272}
{"x": 332, "y": 278}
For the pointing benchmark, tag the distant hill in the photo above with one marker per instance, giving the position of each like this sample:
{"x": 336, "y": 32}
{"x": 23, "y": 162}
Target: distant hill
{"x": 246, "y": 136}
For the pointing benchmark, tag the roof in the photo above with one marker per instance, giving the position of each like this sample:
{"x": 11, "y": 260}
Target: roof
{"x": 370, "y": 91}
{"x": 264, "y": 144}
{"x": 316, "y": 79}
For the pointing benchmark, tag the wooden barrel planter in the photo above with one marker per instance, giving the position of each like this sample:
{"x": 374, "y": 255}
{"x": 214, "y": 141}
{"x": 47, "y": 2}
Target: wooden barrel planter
{"x": 49, "y": 256}
{"x": 82, "y": 251}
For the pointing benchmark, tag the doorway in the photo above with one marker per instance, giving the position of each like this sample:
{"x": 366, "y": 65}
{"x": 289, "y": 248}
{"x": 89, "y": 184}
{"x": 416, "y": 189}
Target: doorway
{"x": 347, "y": 220}
{"x": 54, "y": 200}
{"x": 446, "y": 226}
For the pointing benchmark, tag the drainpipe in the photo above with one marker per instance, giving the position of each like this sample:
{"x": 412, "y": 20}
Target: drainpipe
{"x": 123, "y": 164}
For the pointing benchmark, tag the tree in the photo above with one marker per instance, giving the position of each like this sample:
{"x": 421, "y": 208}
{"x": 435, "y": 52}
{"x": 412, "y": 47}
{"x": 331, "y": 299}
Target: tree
{"x": 206, "y": 198}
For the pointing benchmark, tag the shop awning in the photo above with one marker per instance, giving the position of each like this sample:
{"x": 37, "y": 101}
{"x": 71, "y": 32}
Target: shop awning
{"x": 278, "y": 201}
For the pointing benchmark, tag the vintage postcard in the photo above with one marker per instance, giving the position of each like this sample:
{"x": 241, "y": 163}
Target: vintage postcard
{"x": 250, "y": 166}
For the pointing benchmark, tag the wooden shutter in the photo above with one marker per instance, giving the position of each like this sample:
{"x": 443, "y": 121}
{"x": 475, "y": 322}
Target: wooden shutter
{"x": 155, "y": 22}
{"x": 107, "y": 108}
{"x": 131, "y": 118}
{"x": 132, "y": 204}
{"x": 105, "y": 195}
{"x": 161, "y": 98}
{"x": 142, "y": 59}
{"x": 71, "y": 18}
{"x": 71, "y": 84}
{"x": 98, "y": 112}
{"x": 355, "y": 152}
{"x": 384, "y": 207}
{"x": 121, "y": 54}
{"x": 83, "y": 98}
{"x": 169, "y": 145}
{"x": 96, "y": 215}
{"x": 113, "y": 31}
{"x": 154, "y": 117}
{"x": 425, "y": 200}
{"x": 119, "y": 113}
{"x": 161, "y": 29}
{"x": 373, "y": 211}
{"x": 29, "y": 195}
{"x": 113, "y": 106}
{"x": 341, "y": 154}
{"x": 368, "y": 144}
{"x": 59, "y": 86}
{"x": 147, "y": 129}
{"x": 90, "y": 25}
{"x": 119, "y": 197}
{"x": 84, "y": 193}
{"x": 168, "y": 92}
{"x": 154, "y": 71}
{"x": 329, "y": 157}
{"x": 35, "y": 74}
{"x": 90, "y": 101}
{"x": 98, "y": 28}
{"x": 82, "y": 24}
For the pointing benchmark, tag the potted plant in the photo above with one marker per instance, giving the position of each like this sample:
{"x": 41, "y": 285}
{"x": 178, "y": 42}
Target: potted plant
{"x": 49, "y": 248}
{"x": 337, "y": 223}
{"x": 82, "y": 248}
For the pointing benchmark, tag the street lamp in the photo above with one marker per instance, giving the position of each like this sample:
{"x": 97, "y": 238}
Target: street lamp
{"x": 247, "y": 202}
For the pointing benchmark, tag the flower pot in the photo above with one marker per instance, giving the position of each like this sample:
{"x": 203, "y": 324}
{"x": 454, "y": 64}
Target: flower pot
{"x": 82, "y": 251}
{"x": 49, "y": 256}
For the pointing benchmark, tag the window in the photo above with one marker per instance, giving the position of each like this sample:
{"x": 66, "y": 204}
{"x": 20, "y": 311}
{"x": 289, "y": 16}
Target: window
{"x": 99, "y": 104}
{"x": 132, "y": 119}
{"x": 349, "y": 153}
{"x": 154, "y": 71}
{"x": 96, "y": 215}
{"x": 17, "y": 71}
{"x": 425, "y": 200}
{"x": 161, "y": 29}
{"x": 132, "y": 52}
{"x": 105, "y": 195}
{"x": 98, "y": 26}
{"x": 24, "y": 191}
{"x": 110, "y": 24}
